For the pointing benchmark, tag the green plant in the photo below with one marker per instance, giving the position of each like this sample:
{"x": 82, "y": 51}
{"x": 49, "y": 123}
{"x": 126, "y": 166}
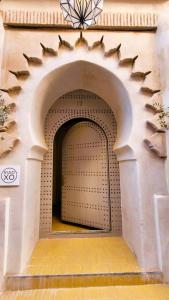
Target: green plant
{"x": 4, "y": 111}
{"x": 163, "y": 114}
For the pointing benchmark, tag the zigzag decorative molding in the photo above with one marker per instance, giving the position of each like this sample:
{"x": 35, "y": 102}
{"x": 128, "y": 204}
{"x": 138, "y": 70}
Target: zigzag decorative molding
{"x": 108, "y": 20}
{"x": 156, "y": 142}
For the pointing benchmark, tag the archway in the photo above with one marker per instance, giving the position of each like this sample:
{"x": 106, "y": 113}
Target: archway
{"x": 107, "y": 75}
{"x": 68, "y": 110}
{"x": 82, "y": 75}
{"x": 86, "y": 75}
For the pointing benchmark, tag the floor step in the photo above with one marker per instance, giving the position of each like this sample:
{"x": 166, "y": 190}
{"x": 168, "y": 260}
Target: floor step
{"x": 143, "y": 292}
{"x": 27, "y": 282}
{"x": 82, "y": 255}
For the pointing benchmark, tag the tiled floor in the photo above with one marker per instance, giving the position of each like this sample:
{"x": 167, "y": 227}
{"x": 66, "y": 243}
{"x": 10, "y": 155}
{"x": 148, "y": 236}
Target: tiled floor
{"x": 82, "y": 256}
{"x": 86, "y": 256}
{"x": 147, "y": 292}
{"x": 57, "y": 225}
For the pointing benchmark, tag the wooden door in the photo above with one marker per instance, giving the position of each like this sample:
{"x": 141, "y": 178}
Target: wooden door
{"x": 85, "y": 184}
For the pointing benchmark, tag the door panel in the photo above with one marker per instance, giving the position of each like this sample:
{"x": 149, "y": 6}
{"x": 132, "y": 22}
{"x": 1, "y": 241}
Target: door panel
{"x": 85, "y": 185}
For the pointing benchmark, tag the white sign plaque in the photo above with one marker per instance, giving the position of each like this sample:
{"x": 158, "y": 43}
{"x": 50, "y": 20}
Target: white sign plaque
{"x": 9, "y": 175}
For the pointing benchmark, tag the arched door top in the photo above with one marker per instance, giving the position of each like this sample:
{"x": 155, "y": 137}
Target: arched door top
{"x": 72, "y": 106}
{"x": 88, "y": 76}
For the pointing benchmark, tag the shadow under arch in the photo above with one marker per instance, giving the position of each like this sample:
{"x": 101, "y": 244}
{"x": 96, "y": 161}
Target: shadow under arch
{"x": 87, "y": 76}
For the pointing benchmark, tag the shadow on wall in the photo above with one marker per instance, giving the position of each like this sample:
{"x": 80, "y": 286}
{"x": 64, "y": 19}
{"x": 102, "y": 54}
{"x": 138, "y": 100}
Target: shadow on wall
{"x": 166, "y": 264}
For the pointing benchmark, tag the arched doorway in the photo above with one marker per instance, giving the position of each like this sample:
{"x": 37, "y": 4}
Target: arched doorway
{"x": 88, "y": 71}
{"x": 91, "y": 178}
{"x": 81, "y": 174}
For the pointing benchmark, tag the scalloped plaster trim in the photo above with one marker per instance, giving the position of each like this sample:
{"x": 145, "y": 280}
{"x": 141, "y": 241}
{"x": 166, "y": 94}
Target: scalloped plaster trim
{"x": 37, "y": 151}
{"x": 109, "y": 20}
{"x": 7, "y": 143}
{"x": 157, "y": 144}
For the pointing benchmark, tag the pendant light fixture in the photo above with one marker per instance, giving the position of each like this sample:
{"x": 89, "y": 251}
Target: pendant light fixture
{"x": 81, "y": 13}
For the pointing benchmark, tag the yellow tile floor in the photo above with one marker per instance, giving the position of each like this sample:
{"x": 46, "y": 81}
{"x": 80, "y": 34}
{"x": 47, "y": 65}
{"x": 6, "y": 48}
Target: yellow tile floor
{"x": 57, "y": 225}
{"x": 81, "y": 256}
{"x": 147, "y": 292}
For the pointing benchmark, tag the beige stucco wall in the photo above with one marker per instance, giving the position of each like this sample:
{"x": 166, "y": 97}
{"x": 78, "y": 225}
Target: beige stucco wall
{"x": 1, "y": 42}
{"x": 162, "y": 205}
{"x": 46, "y": 84}
{"x": 122, "y": 5}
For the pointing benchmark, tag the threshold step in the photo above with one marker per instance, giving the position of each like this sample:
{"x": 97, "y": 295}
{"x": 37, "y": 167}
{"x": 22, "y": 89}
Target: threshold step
{"x": 30, "y": 282}
{"x": 142, "y": 292}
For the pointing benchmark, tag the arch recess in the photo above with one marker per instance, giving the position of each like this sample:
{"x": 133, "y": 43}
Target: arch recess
{"x": 63, "y": 111}
{"x": 88, "y": 76}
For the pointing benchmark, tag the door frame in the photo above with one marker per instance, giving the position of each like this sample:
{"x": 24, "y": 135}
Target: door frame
{"x": 59, "y": 134}
{"x": 106, "y": 123}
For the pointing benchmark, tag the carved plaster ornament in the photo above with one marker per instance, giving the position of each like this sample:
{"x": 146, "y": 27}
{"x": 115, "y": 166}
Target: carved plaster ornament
{"x": 33, "y": 60}
{"x": 152, "y": 108}
{"x": 23, "y": 74}
{"x": 98, "y": 44}
{"x": 154, "y": 105}
{"x": 12, "y": 90}
{"x": 64, "y": 44}
{"x": 81, "y": 41}
{"x": 149, "y": 91}
{"x": 140, "y": 75}
{"x": 157, "y": 144}
{"x": 11, "y": 106}
{"x": 128, "y": 61}
{"x": 113, "y": 51}
{"x": 7, "y": 143}
{"x": 155, "y": 124}
{"x": 48, "y": 51}
{"x": 7, "y": 125}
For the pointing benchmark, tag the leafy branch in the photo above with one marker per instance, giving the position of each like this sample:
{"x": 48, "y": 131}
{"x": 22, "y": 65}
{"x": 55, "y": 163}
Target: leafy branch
{"x": 163, "y": 114}
{"x": 4, "y": 111}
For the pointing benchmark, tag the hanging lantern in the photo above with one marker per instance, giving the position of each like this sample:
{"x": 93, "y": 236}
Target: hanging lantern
{"x": 81, "y": 13}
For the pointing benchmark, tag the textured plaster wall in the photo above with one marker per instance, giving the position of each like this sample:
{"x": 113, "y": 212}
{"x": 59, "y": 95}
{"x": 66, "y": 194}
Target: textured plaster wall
{"x": 122, "y": 5}
{"x": 4, "y": 221}
{"x": 27, "y": 41}
{"x": 162, "y": 204}
{"x": 1, "y": 43}
{"x": 3, "y": 200}
{"x": 46, "y": 84}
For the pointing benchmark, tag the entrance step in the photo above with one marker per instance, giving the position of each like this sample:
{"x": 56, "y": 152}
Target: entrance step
{"x": 81, "y": 262}
{"x": 27, "y": 282}
{"x": 86, "y": 255}
{"x": 146, "y": 292}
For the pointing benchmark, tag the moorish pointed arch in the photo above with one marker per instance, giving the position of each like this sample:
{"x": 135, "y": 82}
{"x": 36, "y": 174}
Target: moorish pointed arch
{"x": 113, "y": 60}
